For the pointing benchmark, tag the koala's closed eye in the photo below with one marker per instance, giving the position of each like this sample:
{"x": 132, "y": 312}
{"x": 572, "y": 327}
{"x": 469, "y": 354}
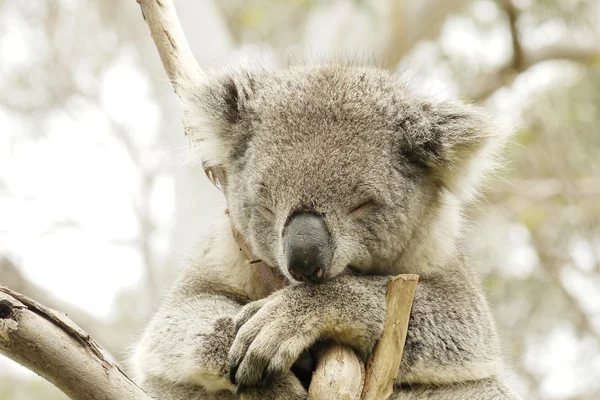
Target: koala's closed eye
{"x": 264, "y": 202}
{"x": 266, "y": 212}
{"x": 362, "y": 207}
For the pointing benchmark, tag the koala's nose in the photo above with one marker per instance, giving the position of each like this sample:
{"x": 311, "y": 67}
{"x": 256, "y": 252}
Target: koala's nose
{"x": 307, "y": 247}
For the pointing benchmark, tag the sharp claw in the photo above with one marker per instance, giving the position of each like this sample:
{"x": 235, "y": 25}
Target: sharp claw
{"x": 237, "y": 327}
{"x": 240, "y": 388}
{"x": 266, "y": 377}
{"x": 232, "y": 372}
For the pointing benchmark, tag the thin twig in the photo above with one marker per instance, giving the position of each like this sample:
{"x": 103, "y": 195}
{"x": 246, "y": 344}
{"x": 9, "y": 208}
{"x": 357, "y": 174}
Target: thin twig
{"x": 513, "y": 16}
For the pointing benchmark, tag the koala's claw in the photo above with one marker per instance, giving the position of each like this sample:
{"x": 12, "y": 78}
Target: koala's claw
{"x": 267, "y": 377}
{"x": 268, "y": 343}
{"x": 273, "y": 334}
{"x": 239, "y": 389}
{"x": 232, "y": 371}
{"x": 255, "y": 368}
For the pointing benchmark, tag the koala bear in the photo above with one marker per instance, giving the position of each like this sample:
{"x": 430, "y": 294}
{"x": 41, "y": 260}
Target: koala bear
{"x": 337, "y": 176}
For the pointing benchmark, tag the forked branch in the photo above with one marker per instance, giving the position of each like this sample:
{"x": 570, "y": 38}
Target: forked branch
{"x": 50, "y": 344}
{"x": 522, "y": 60}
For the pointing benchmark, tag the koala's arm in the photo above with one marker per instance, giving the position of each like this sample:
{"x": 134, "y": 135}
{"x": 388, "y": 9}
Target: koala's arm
{"x": 188, "y": 338}
{"x": 451, "y": 336}
{"x": 183, "y": 353}
{"x": 484, "y": 389}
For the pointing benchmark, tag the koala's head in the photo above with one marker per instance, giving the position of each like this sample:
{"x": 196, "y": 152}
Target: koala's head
{"x": 335, "y": 167}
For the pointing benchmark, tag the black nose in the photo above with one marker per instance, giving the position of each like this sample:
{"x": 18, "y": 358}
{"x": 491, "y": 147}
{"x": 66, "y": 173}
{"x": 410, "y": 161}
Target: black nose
{"x": 307, "y": 246}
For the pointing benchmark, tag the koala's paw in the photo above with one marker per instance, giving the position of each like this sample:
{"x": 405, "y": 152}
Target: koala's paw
{"x": 284, "y": 387}
{"x": 248, "y": 312}
{"x": 269, "y": 340}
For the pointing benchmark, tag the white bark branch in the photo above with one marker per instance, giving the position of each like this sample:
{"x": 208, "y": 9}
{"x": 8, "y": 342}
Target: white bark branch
{"x": 564, "y": 51}
{"x": 173, "y": 48}
{"x": 50, "y": 344}
{"x": 339, "y": 375}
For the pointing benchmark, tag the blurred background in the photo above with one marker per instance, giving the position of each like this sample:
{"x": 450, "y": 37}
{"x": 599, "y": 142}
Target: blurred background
{"x": 99, "y": 205}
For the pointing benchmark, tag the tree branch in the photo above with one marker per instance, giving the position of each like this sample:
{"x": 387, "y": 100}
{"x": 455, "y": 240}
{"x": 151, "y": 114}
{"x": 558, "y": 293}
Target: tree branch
{"x": 521, "y": 61}
{"x": 513, "y": 16}
{"x": 506, "y": 75}
{"x": 339, "y": 374}
{"x": 173, "y": 48}
{"x": 382, "y": 369}
{"x": 50, "y": 344}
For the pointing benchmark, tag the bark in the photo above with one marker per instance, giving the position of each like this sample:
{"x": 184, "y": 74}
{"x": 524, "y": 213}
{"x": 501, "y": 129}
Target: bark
{"x": 173, "y": 48}
{"x": 382, "y": 370}
{"x": 50, "y": 344}
{"x": 339, "y": 375}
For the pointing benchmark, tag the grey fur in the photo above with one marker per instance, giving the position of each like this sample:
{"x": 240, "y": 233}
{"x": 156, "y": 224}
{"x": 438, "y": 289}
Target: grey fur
{"x": 328, "y": 139}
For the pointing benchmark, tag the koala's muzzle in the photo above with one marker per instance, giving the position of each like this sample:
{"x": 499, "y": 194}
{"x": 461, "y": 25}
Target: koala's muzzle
{"x": 307, "y": 247}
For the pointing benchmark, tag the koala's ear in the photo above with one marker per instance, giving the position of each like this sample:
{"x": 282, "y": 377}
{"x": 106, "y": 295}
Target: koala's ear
{"x": 214, "y": 113}
{"x": 458, "y": 143}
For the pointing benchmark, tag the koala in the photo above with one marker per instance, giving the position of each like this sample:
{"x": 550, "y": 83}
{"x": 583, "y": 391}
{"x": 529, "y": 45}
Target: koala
{"x": 337, "y": 176}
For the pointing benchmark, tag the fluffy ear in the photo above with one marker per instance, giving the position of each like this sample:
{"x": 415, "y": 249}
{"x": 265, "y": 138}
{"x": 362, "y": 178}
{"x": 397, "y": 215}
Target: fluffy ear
{"x": 460, "y": 144}
{"x": 214, "y": 112}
